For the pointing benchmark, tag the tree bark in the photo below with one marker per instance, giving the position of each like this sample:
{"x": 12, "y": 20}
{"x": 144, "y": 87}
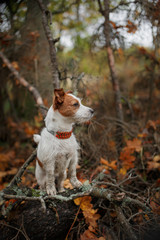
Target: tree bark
{"x": 33, "y": 55}
{"x": 111, "y": 63}
{"x": 51, "y": 42}
{"x": 28, "y": 221}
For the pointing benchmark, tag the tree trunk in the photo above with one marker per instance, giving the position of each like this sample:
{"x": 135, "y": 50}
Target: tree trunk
{"x": 111, "y": 63}
{"x": 28, "y": 221}
{"x": 33, "y": 55}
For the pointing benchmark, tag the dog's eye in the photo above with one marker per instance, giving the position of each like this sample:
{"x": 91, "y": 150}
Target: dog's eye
{"x": 76, "y": 104}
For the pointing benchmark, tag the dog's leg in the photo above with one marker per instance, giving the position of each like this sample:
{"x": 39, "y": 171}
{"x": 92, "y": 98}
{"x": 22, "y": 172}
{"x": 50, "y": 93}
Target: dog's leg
{"x": 72, "y": 171}
{"x": 60, "y": 181}
{"x": 50, "y": 179}
{"x": 40, "y": 176}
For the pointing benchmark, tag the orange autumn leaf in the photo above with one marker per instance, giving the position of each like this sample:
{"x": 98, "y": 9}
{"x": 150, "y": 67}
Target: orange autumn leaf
{"x": 111, "y": 165}
{"x": 11, "y": 201}
{"x": 98, "y": 170}
{"x": 153, "y": 165}
{"x": 88, "y": 235}
{"x": 132, "y": 28}
{"x": 155, "y": 207}
{"x": 135, "y": 144}
{"x": 29, "y": 130}
{"x": 156, "y": 158}
{"x": 113, "y": 214}
{"x": 125, "y": 155}
{"x": 123, "y": 171}
{"x": 113, "y": 24}
{"x": 120, "y": 52}
{"x": 67, "y": 184}
{"x": 15, "y": 65}
{"x": 80, "y": 200}
{"x": 89, "y": 212}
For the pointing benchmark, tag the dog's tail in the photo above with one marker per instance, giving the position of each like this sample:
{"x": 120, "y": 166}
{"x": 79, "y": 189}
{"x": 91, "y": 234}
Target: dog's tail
{"x": 36, "y": 138}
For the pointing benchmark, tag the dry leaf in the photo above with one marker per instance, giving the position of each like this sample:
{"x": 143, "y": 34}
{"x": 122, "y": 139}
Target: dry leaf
{"x": 112, "y": 164}
{"x": 88, "y": 235}
{"x": 135, "y": 144}
{"x": 15, "y": 65}
{"x": 67, "y": 184}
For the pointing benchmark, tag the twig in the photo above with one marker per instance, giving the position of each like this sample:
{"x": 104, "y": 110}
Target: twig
{"x": 17, "y": 177}
{"x": 134, "y": 215}
{"x": 73, "y": 222}
{"x": 25, "y": 198}
{"x": 119, "y": 188}
{"x": 124, "y": 223}
{"x": 49, "y": 197}
{"x": 43, "y": 204}
{"x": 51, "y": 42}
{"x": 19, "y": 230}
{"x": 63, "y": 9}
{"x": 100, "y": 7}
{"x": 137, "y": 203}
{"x": 110, "y": 196}
{"x": 22, "y": 81}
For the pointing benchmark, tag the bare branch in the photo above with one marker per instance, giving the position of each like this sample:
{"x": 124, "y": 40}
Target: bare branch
{"x": 51, "y": 42}
{"x": 100, "y": 7}
{"x": 124, "y": 223}
{"x": 17, "y": 177}
{"x": 63, "y": 9}
{"x": 23, "y": 82}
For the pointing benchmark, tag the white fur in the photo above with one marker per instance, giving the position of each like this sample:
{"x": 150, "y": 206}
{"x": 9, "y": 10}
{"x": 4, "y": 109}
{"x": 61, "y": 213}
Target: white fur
{"x": 58, "y": 155}
{"x": 36, "y": 138}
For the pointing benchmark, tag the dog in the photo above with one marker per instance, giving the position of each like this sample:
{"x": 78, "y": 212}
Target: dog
{"x": 57, "y": 148}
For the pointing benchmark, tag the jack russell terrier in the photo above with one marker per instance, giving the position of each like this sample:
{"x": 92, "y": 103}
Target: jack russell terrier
{"x": 57, "y": 145}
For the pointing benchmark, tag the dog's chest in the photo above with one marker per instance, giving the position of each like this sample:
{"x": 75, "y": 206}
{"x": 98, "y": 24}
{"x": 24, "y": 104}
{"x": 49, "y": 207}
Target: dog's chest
{"x": 62, "y": 162}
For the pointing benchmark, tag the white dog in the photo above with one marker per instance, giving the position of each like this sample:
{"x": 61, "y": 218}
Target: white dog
{"x": 57, "y": 146}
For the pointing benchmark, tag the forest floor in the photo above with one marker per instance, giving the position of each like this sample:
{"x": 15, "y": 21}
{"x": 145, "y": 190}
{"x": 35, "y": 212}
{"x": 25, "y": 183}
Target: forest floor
{"x": 134, "y": 173}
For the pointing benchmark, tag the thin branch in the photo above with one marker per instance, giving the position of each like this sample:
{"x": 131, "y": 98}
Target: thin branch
{"x": 63, "y": 9}
{"x": 124, "y": 223}
{"x": 17, "y": 177}
{"x": 19, "y": 230}
{"x": 100, "y": 7}
{"x": 122, "y": 3}
{"x": 66, "y": 238}
{"x": 51, "y": 42}
{"x": 134, "y": 215}
{"x": 22, "y": 81}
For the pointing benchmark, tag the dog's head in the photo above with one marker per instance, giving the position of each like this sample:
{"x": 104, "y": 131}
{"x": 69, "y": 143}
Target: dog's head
{"x": 70, "y": 106}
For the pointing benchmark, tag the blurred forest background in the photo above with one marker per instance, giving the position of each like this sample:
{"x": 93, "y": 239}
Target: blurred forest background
{"x": 108, "y": 54}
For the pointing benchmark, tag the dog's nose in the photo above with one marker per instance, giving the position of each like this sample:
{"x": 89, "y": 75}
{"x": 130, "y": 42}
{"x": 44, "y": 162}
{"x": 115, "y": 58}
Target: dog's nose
{"x": 91, "y": 110}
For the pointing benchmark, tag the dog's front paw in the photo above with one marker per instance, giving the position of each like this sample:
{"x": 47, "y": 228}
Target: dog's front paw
{"x": 61, "y": 189}
{"x": 75, "y": 182}
{"x": 51, "y": 190}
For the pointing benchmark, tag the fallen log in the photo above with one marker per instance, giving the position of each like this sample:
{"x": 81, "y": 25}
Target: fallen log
{"x": 31, "y": 214}
{"x": 27, "y": 220}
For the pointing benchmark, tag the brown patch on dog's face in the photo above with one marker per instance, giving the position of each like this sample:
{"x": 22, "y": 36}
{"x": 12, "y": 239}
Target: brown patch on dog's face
{"x": 65, "y": 103}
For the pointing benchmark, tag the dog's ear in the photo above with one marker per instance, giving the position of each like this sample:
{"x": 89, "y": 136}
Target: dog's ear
{"x": 69, "y": 91}
{"x": 58, "y": 98}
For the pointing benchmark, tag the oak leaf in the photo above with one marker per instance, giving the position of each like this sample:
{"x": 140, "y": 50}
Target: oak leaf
{"x": 88, "y": 235}
{"x": 110, "y": 165}
{"x": 135, "y": 144}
